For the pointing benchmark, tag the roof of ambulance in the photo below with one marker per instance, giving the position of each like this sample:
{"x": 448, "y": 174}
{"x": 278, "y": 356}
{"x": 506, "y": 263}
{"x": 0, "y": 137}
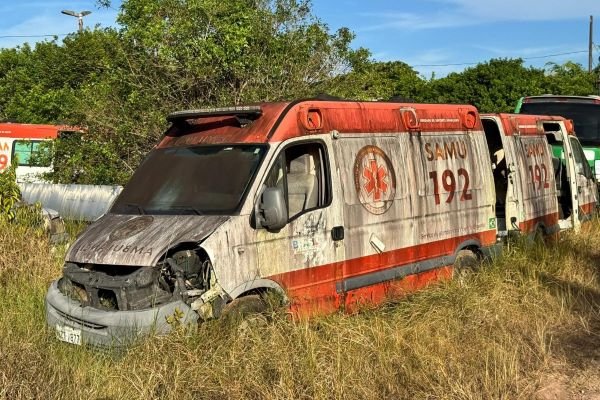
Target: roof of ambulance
{"x": 30, "y": 131}
{"x": 282, "y": 120}
{"x": 526, "y": 124}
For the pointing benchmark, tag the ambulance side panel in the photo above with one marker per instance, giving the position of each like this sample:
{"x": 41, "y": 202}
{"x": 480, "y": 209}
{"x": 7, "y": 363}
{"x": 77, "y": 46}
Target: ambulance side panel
{"x": 410, "y": 203}
{"x": 539, "y": 208}
{"x": 376, "y": 180}
{"x": 406, "y": 202}
{"x": 531, "y": 202}
{"x": 6, "y": 146}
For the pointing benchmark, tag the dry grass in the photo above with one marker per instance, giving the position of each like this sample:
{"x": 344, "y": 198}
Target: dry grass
{"x": 493, "y": 336}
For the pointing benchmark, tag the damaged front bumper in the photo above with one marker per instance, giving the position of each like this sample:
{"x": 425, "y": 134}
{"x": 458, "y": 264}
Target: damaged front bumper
{"x": 85, "y": 325}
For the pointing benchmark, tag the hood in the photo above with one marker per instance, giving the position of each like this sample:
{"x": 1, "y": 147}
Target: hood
{"x": 139, "y": 240}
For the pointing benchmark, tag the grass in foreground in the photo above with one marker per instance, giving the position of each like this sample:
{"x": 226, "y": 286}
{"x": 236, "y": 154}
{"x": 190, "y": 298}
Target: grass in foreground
{"x": 496, "y": 335}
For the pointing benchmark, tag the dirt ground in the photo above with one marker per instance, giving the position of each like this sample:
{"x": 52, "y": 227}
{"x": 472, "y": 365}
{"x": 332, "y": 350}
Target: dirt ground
{"x": 574, "y": 369}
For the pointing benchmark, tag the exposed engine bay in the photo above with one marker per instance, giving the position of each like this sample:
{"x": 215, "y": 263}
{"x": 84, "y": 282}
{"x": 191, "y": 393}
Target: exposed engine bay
{"x": 185, "y": 275}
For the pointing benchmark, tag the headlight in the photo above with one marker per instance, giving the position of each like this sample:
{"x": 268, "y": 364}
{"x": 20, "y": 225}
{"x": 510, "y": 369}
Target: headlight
{"x": 71, "y": 290}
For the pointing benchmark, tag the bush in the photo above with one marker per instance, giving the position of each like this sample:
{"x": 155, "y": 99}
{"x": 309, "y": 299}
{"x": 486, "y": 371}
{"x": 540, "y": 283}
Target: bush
{"x": 10, "y": 194}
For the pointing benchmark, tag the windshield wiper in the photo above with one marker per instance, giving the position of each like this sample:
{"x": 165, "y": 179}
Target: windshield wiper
{"x": 138, "y": 207}
{"x": 188, "y": 208}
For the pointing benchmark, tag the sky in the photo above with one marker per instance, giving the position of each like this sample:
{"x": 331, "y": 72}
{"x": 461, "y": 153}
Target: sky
{"x": 434, "y": 36}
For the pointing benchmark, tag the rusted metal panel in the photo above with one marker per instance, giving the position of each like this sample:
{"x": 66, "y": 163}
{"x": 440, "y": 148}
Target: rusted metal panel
{"x": 524, "y": 124}
{"x": 223, "y": 129}
{"x": 281, "y": 121}
{"x": 78, "y": 202}
{"x": 139, "y": 240}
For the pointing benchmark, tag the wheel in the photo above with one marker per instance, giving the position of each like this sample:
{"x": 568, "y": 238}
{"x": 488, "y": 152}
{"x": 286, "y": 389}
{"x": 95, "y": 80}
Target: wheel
{"x": 466, "y": 262}
{"x": 245, "y": 306}
{"x": 539, "y": 236}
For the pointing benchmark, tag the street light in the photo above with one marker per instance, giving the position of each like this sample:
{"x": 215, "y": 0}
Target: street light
{"x": 78, "y": 15}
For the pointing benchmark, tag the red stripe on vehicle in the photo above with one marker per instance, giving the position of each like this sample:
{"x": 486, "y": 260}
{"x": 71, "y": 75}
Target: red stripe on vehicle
{"x": 549, "y": 220}
{"x": 312, "y": 289}
{"x": 588, "y": 208}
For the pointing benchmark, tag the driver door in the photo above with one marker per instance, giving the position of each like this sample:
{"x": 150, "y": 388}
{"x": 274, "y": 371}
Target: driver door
{"x": 586, "y": 191}
{"x": 305, "y": 256}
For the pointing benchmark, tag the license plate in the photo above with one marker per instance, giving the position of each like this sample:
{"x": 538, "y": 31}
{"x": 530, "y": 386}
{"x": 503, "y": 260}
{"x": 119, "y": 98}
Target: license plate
{"x": 68, "y": 334}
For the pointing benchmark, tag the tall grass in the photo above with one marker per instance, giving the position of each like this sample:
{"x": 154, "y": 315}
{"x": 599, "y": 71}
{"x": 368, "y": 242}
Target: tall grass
{"x": 492, "y": 335}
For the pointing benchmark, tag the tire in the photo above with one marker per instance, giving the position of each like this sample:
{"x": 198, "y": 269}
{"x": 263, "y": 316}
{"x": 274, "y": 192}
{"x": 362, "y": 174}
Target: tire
{"x": 539, "y": 237}
{"x": 245, "y": 306}
{"x": 466, "y": 263}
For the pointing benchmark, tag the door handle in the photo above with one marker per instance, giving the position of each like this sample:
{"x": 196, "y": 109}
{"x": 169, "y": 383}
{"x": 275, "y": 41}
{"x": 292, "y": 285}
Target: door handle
{"x": 337, "y": 233}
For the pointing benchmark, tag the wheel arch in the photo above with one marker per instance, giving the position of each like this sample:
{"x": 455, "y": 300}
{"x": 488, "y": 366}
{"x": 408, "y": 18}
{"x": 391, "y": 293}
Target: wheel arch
{"x": 257, "y": 286}
{"x": 473, "y": 245}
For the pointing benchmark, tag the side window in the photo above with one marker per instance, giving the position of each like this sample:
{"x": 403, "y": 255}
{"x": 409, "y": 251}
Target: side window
{"x": 276, "y": 175}
{"x": 581, "y": 164}
{"x": 41, "y": 153}
{"x": 22, "y": 151}
{"x": 32, "y": 153}
{"x": 301, "y": 171}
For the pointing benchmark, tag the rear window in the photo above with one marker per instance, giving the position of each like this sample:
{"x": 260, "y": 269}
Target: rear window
{"x": 586, "y": 117}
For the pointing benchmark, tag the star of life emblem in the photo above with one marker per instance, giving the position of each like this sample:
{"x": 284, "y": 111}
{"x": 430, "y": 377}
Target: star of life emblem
{"x": 374, "y": 179}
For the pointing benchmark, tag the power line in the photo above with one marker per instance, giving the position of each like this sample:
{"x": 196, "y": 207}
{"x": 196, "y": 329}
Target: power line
{"x": 416, "y": 65}
{"x": 31, "y": 36}
{"x": 479, "y": 62}
{"x": 554, "y": 55}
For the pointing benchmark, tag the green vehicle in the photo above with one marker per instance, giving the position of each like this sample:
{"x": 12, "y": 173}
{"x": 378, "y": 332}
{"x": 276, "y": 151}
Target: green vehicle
{"x": 583, "y": 110}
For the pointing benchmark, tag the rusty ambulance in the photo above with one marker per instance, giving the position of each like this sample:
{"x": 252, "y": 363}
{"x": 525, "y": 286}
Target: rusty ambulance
{"x": 538, "y": 189}
{"x": 330, "y": 203}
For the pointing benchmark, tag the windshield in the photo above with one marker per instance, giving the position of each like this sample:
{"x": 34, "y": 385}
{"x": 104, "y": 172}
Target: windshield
{"x": 586, "y": 117}
{"x": 191, "y": 180}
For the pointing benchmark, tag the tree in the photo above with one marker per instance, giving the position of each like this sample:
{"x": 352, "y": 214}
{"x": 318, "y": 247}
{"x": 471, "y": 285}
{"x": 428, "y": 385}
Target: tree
{"x": 41, "y": 84}
{"x": 231, "y": 51}
{"x": 172, "y": 54}
{"x": 377, "y": 81}
{"x": 493, "y": 86}
{"x": 569, "y": 79}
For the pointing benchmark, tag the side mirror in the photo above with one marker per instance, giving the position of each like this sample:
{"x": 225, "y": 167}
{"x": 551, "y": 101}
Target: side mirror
{"x": 272, "y": 209}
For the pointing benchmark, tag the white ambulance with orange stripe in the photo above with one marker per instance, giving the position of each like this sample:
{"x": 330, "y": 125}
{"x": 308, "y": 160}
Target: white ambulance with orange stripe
{"x": 536, "y": 192}
{"x": 330, "y": 203}
{"x": 30, "y": 145}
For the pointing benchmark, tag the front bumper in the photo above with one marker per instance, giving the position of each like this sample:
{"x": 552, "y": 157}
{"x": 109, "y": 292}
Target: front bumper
{"x": 113, "y": 329}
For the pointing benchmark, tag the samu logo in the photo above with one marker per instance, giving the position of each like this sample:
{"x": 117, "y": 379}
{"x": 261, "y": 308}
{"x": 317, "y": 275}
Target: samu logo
{"x": 374, "y": 179}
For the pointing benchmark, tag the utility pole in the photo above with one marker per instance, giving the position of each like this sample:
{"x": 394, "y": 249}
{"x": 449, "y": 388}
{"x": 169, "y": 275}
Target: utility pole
{"x": 78, "y": 15}
{"x": 590, "y": 44}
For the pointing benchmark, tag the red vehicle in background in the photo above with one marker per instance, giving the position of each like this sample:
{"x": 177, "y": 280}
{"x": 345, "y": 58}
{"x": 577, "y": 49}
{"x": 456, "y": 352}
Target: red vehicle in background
{"x": 31, "y": 145}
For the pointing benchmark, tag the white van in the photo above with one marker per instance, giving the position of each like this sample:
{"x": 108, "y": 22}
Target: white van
{"x": 330, "y": 203}
{"x": 538, "y": 189}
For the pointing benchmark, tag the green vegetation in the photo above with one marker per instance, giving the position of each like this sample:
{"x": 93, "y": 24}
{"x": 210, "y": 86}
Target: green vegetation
{"x": 529, "y": 318}
{"x": 10, "y": 194}
{"x": 119, "y": 83}
{"x": 500, "y": 333}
